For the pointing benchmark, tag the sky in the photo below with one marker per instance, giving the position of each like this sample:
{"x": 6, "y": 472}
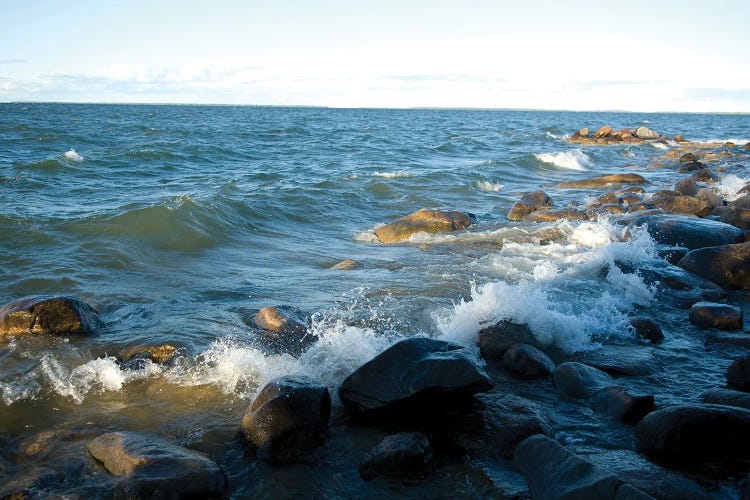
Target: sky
{"x": 657, "y": 55}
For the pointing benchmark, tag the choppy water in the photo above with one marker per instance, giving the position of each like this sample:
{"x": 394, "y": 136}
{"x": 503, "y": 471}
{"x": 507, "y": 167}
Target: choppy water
{"x": 178, "y": 223}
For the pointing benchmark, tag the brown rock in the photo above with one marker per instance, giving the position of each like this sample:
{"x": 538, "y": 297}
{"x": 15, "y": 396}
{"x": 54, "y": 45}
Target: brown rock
{"x": 581, "y": 133}
{"x": 555, "y": 215}
{"x": 135, "y": 356}
{"x": 729, "y": 144}
{"x": 704, "y": 175}
{"x": 605, "y": 180}
{"x": 530, "y": 202}
{"x": 49, "y": 315}
{"x": 428, "y": 221}
{"x": 679, "y": 138}
{"x": 686, "y": 205}
{"x": 688, "y": 158}
{"x": 727, "y": 265}
{"x": 716, "y": 315}
{"x": 604, "y": 131}
{"x": 738, "y": 217}
{"x": 608, "y": 198}
{"x": 276, "y": 320}
{"x": 747, "y": 146}
{"x": 646, "y": 133}
{"x": 686, "y": 187}
{"x": 709, "y": 197}
{"x": 631, "y": 189}
{"x": 345, "y": 265}
{"x": 628, "y": 199}
{"x": 691, "y": 167}
{"x": 622, "y": 134}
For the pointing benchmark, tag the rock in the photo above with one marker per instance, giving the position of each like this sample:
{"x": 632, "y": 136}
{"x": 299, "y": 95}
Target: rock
{"x": 738, "y": 374}
{"x": 135, "y": 358}
{"x": 284, "y": 330}
{"x": 740, "y": 339}
{"x": 530, "y": 202}
{"x": 579, "y": 381}
{"x": 618, "y": 403}
{"x": 287, "y": 419}
{"x": 155, "y": 467}
{"x": 605, "y": 180}
{"x": 628, "y": 199}
{"x": 686, "y": 187}
{"x": 646, "y": 328}
{"x": 727, "y": 397}
{"x": 694, "y": 434}
{"x": 495, "y": 340}
{"x": 602, "y": 132}
{"x": 713, "y": 315}
{"x": 553, "y": 472}
{"x": 608, "y": 199}
{"x": 711, "y": 198}
{"x": 688, "y": 157}
{"x": 617, "y": 360}
{"x": 423, "y": 221}
{"x": 631, "y": 189}
{"x": 704, "y": 175}
{"x": 584, "y": 132}
{"x": 555, "y": 215}
{"x": 414, "y": 376}
{"x": 688, "y": 232}
{"x": 406, "y": 454}
{"x": 686, "y": 205}
{"x": 646, "y": 133}
{"x": 49, "y": 315}
{"x": 664, "y": 193}
{"x": 738, "y": 217}
{"x": 622, "y": 134}
{"x": 345, "y": 265}
{"x": 727, "y": 265}
{"x": 527, "y": 362}
{"x": 691, "y": 167}
{"x": 741, "y": 202}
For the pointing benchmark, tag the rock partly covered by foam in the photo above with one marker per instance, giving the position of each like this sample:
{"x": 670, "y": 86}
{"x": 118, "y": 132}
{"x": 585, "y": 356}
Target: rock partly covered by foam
{"x": 604, "y": 181}
{"x": 413, "y": 376}
{"x": 284, "y": 330}
{"x": 556, "y": 215}
{"x": 530, "y": 202}
{"x": 423, "y": 221}
{"x": 727, "y": 265}
{"x": 152, "y": 466}
{"x": 406, "y": 454}
{"x": 135, "y": 358}
{"x": 50, "y": 315}
{"x": 716, "y": 315}
{"x": 287, "y": 419}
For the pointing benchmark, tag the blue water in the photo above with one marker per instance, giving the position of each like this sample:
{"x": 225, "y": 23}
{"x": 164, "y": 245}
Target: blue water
{"x": 178, "y": 223}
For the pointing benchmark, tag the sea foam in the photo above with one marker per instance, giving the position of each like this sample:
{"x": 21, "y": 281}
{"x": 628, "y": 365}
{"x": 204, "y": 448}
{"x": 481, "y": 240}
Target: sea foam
{"x": 71, "y": 155}
{"x": 729, "y": 186}
{"x": 392, "y": 175}
{"x": 574, "y": 159}
{"x": 488, "y": 186}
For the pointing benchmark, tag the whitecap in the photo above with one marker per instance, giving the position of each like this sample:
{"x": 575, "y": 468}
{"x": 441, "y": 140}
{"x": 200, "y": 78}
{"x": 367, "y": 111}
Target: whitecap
{"x": 488, "y": 186}
{"x": 71, "y": 155}
{"x": 659, "y": 145}
{"x": 558, "y": 137}
{"x": 737, "y": 142}
{"x": 392, "y": 175}
{"x": 729, "y": 186}
{"x": 574, "y": 159}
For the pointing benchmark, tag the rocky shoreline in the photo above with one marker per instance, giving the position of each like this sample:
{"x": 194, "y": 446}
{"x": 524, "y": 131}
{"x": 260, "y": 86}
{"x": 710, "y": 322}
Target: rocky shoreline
{"x": 431, "y": 397}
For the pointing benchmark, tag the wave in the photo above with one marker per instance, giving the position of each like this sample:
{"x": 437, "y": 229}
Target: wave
{"x": 574, "y": 159}
{"x": 557, "y": 137}
{"x": 392, "y": 175}
{"x": 736, "y": 141}
{"x": 488, "y": 186}
{"x": 729, "y": 186}
{"x": 71, "y": 155}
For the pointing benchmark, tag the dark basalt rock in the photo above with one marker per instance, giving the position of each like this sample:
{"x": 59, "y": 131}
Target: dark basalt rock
{"x": 579, "y": 381}
{"x": 727, "y": 265}
{"x": 647, "y": 329}
{"x": 688, "y": 232}
{"x": 727, "y": 397}
{"x": 738, "y": 374}
{"x": 49, "y": 315}
{"x": 287, "y": 419}
{"x": 619, "y": 403}
{"x": 713, "y": 315}
{"x": 527, "y": 362}
{"x": 495, "y": 340}
{"x": 152, "y": 466}
{"x": 406, "y": 454}
{"x": 416, "y": 376}
{"x": 691, "y": 434}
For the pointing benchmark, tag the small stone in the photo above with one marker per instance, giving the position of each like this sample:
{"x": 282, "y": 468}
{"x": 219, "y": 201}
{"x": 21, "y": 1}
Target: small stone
{"x": 406, "y": 454}
{"x": 713, "y": 315}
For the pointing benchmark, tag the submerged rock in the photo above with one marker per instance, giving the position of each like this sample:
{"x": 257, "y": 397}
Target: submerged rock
{"x": 495, "y": 340}
{"x": 727, "y": 397}
{"x": 406, "y": 454}
{"x": 647, "y": 329}
{"x": 423, "y": 221}
{"x": 135, "y": 358}
{"x": 152, "y": 466}
{"x": 688, "y": 232}
{"x": 715, "y": 315}
{"x": 618, "y": 360}
{"x": 621, "y": 404}
{"x": 579, "y": 381}
{"x": 345, "y": 265}
{"x": 727, "y": 265}
{"x": 287, "y": 419}
{"x": 414, "y": 376}
{"x": 49, "y": 315}
{"x": 527, "y": 362}
{"x": 738, "y": 374}
{"x": 605, "y": 180}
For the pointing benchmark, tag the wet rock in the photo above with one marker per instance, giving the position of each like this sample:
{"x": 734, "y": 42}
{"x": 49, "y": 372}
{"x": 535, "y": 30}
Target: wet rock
{"x": 555, "y": 215}
{"x": 581, "y": 133}
{"x": 665, "y": 193}
{"x": 49, "y": 315}
{"x": 530, "y": 202}
{"x": 284, "y": 330}
{"x": 605, "y": 180}
{"x": 687, "y": 205}
{"x": 688, "y": 158}
{"x": 740, "y": 339}
{"x": 602, "y": 132}
{"x": 738, "y": 374}
{"x": 714, "y": 315}
{"x": 711, "y": 198}
{"x": 152, "y": 466}
{"x": 414, "y": 376}
{"x": 30, "y": 484}
{"x": 579, "y": 381}
{"x": 618, "y": 360}
{"x": 423, "y": 221}
{"x": 684, "y": 434}
{"x": 629, "y": 199}
{"x": 345, "y": 265}
{"x": 646, "y": 133}
{"x": 688, "y": 232}
{"x": 619, "y": 403}
{"x": 686, "y": 187}
{"x": 704, "y": 175}
{"x": 742, "y": 202}
{"x": 42, "y": 442}
{"x": 631, "y": 190}
{"x": 622, "y": 134}
{"x": 647, "y": 329}
{"x": 738, "y": 217}
{"x": 727, "y": 265}
{"x": 406, "y": 454}
{"x": 691, "y": 167}
{"x": 495, "y": 340}
{"x": 727, "y": 397}
{"x": 135, "y": 358}
{"x": 287, "y": 419}
{"x": 525, "y": 361}
{"x": 552, "y": 472}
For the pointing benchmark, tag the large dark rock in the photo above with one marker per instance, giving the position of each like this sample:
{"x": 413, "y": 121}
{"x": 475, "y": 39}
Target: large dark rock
{"x": 287, "y": 419}
{"x": 553, "y": 472}
{"x": 406, "y": 454}
{"x": 423, "y": 221}
{"x": 416, "y": 375}
{"x": 579, "y": 381}
{"x": 695, "y": 433}
{"x": 727, "y": 265}
{"x": 619, "y": 403}
{"x": 527, "y": 362}
{"x": 738, "y": 374}
{"x": 727, "y": 397}
{"x": 51, "y": 315}
{"x": 530, "y": 202}
{"x": 155, "y": 467}
{"x": 688, "y": 232}
{"x": 647, "y": 329}
{"x": 284, "y": 330}
{"x": 715, "y": 315}
{"x": 496, "y": 339}
{"x": 738, "y": 217}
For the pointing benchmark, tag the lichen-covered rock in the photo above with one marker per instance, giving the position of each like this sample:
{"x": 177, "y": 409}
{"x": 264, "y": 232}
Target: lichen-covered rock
{"x": 727, "y": 265}
{"x": 406, "y": 454}
{"x": 715, "y": 315}
{"x": 423, "y": 221}
{"x": 49, "y": 315}
{"x": 604, "y": 181}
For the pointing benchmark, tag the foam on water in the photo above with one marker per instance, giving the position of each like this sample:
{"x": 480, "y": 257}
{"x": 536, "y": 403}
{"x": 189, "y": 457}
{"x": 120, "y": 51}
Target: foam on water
{"x": 558, "y": 137}
{"x": 488, "y": 186}
{"x": 71, "y": 155}
{"x": 392, "y": 175}
{"x": 729, "y": 186}
{"x": 737, "y": 142}
{"x": 659, "y": 145}
{"x": 574, "y": 159}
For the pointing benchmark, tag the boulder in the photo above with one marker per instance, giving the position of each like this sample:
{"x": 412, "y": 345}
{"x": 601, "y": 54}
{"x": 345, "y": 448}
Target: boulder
{"x": 555, "y": 215}
{"x": 704, "y": 175}
{"x": 602, "y": 132}
{"x": 647, "y": 329}
{"x": 727, "y": 265}
{"x": 495, "y": 340}
{"x": 152, "y": 466}
{"x": 688, "y": 232}
{"x": 423, "y": 221}
{"x": 738, "y": 374}
{"x": 714, "y": 315}
{"x": 727, "y": 397}
{"x": 686, "y": 187}
{"x": 553, "y": 472}
{"x": 580, "y": 133}
{"x": 687, "y": 205}
{"x": 631, "y": 189}
{"x": 49, "y": 315}
{"x": 691, "y": 167}
{"x": 664, "y": 193}
{"x": 622, "y": 134}
{"x": 608, "y": 199}
{"x": 530, "y": 202}
{"x": 619, "y": 403}
{"x": 618, "y": 360}
{"x": 135, "y": 358}
{"x": 629, "y": 199}
{"x": 406, "y": 454}
{"x": 688, "y": 157}
{"x": 694, "y": 434}
{"x": 738, "y": 217}
{"x": 287, "y": 419}
{"x": 579, "y": 381}
{"x": 646, "y": 133}
{"x": 284, "y": 330}
{"x": 741, "y": 202}
{"x": 525, "y": 361}
{"x": 710, "y": 197}
{"x": 414, "y": 376}
{"x": 604, "y": 181}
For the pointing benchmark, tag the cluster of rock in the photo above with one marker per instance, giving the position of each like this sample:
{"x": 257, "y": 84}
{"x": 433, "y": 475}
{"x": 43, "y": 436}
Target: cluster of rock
{"x": 606, "y": 135}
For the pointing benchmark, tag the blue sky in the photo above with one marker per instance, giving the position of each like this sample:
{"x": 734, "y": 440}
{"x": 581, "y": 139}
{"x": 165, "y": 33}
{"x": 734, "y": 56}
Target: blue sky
{"x": 635, "y": 55}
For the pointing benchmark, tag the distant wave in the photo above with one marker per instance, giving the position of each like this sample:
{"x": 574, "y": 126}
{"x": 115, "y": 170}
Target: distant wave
{"x": 572, "y": 160}
{"x": 738, "y": 142}
{"x": 558, "y": 137}
{"x": 392, "y": 175}
{"x": 488, "y": 186}
{"x": 71, "y": 155}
